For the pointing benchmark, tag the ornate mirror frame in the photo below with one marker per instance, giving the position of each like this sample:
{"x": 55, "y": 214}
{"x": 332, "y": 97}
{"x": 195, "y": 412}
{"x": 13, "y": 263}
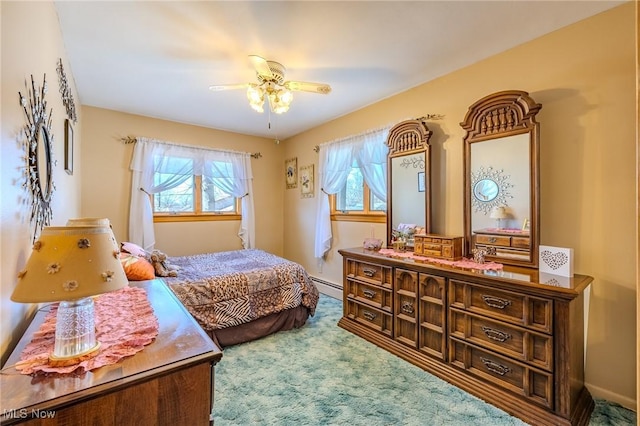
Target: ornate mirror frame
{"x": 39, "y": 150}
{"x": 499, "y": 116}
{"x": 408, "y": 141}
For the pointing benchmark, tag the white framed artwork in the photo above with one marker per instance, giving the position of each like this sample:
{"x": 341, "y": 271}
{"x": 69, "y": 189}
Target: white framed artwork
{"x": 556, "y": 260}
{"x": 306, "y": 181}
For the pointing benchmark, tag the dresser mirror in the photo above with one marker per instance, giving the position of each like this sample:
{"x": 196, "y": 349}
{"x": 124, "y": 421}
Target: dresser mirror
{"x": 408, "y": 176}
{"x": 501, "y": 178}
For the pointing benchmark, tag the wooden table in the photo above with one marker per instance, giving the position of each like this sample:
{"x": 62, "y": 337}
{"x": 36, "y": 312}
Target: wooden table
{"x": 170, "y": 382}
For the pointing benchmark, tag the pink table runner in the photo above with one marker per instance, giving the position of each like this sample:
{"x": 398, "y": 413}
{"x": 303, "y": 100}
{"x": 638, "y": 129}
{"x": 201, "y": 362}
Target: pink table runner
{"x": 463, "y": 263}
{"x": 125, "y": 324}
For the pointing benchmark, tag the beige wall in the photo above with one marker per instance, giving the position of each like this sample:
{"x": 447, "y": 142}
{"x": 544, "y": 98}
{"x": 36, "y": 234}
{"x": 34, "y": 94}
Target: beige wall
{"x": 31, "y": 45}
{"x": 106, "y": 185}
{"x": 586, "y": 84}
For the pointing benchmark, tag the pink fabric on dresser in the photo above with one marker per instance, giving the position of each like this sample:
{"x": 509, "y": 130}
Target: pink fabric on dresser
{"x": 462, "y": 263}
{"x": 125, "y": 324}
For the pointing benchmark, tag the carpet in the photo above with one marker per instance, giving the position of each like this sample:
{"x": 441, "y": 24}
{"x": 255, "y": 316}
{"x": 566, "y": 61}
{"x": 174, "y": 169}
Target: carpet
{"x": 321, "y": 374}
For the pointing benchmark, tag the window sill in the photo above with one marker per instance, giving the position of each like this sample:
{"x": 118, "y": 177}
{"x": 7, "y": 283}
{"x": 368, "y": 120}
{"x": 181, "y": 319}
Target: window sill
{"x": 195, "y": 217}
{"x": 356, "y": 217}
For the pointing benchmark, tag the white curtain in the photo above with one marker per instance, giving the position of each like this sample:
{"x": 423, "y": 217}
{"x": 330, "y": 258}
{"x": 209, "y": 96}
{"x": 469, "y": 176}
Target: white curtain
{"x": 336, "y": 159}
{"x": 178, "y": 163}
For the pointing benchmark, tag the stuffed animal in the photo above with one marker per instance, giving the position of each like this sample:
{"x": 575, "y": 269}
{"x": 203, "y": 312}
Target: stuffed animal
{"x": 159, "y": 261}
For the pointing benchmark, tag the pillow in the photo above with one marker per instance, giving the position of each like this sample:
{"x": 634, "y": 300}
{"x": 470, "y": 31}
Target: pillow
{"x": 137, "y": 268}
{"x": 133, "y": 249}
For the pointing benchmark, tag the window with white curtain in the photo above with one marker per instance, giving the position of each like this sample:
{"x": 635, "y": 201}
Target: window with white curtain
{"x": 194, "y": 195}
{"x": 355, "y": 201}
{"x": 175, "y": 182}
{"x": 353, "y": 178}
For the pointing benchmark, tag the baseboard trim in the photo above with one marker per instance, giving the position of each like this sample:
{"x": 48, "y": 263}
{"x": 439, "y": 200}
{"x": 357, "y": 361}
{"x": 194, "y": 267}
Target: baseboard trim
{"x": 601, "y": 393}
{"x": 328, "y": 288}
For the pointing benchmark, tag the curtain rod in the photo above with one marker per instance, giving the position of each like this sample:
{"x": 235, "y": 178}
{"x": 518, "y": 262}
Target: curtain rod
{"x": 130, "y": 139}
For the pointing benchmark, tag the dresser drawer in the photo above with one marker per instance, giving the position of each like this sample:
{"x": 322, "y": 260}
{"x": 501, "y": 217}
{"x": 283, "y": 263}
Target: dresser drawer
{"x": 435, "y": 248}
{"x": 370, "y": 294}
{"x": 520, "y": 242}
{"x": 528, "y": 311}
{"x": 370, "y": 272}
{"x": 520, "y": 343}
{"x": 534, "y": 384}
{"x": 494, "y": 240}
{"x": 373, "y": 318}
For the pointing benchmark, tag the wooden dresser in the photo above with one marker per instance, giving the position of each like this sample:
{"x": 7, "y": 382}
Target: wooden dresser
{"x": 508, "y": 243}
{"x": 500, "y": 335}
{"x": 170, "y": 382}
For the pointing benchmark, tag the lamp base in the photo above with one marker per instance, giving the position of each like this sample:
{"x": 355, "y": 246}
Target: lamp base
{"x": 75, "y": 332}
{"x": 64, "y": 361}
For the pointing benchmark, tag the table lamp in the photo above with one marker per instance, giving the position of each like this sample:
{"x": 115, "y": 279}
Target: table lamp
{"x": 89, "y": 221}
{"x": 70, "y": 265}
{"x": 498, "y": 213}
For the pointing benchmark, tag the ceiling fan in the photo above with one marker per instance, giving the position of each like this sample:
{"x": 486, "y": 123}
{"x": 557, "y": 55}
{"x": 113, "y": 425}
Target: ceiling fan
{"x": 272, "y": 87}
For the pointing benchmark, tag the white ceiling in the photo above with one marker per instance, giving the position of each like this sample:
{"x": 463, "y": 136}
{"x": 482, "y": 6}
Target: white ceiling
{"x": 158, "y": 58}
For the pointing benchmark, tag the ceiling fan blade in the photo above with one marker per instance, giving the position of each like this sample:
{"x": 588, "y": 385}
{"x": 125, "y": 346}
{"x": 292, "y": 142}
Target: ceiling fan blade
{"x": 217, "y": 88}
{"x": 261, "y": 66}
{"x": 304, "y": 86}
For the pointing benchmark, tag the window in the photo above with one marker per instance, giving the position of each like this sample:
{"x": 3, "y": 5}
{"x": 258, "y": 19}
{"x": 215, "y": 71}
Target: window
{"x": 356, "y": 202}
{"x": 193, "y": 197}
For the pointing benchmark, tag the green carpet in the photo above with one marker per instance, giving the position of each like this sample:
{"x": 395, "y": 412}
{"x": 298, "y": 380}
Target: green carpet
{"x": 321, "y": 374}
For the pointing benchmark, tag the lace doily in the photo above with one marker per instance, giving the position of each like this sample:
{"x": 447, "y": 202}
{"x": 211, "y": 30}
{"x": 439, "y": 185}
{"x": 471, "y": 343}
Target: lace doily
{"x": 125, "y": 324}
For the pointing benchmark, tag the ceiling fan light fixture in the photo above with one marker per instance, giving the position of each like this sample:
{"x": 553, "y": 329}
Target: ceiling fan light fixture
{"x": 255, "y": 94}
{"x": 279, "y": 100}
{"x": 272, "y": 86}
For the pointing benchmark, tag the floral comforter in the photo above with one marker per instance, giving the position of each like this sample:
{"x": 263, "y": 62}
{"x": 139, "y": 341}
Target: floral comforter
{"x": 225, "y": 289}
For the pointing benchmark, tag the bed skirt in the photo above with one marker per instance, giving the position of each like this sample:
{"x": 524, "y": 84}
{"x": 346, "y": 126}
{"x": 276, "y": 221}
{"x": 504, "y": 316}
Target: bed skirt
{"x": 279, "y": 321}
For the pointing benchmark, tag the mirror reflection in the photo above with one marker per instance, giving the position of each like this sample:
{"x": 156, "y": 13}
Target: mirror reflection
{"x": 501, "y": 178}
{"x": 500, "y": 195}
{"x": 407, "y": 196}
{"x": 43, "y": 161}
{"x": 409, "y": 187}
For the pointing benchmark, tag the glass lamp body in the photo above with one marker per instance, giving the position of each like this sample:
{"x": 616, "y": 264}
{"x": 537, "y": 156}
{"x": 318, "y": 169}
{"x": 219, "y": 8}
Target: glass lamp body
{"x": 75, "y": 329}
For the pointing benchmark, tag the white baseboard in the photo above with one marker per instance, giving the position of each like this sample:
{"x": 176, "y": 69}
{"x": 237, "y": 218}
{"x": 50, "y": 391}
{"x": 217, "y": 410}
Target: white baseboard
{"x": 600, "y": 393}
{"x": 326, "y": 287}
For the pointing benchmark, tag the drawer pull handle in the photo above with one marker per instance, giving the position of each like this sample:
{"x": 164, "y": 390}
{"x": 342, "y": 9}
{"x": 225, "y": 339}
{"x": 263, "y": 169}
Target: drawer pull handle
{"x": 496, "y": 302}
{"x": 369, "y": 315}
{"x": 369, "y": 293}
{"x": 492, "y": 240}
{"x": 494, "y": 367}
{"x": 497, "y": 335}
{"x": 407, "y": 307}
{"x": 369, "y": 272}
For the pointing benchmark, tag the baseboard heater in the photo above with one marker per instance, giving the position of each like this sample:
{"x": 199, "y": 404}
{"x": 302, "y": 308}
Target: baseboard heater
{"x": 326, "y": 287}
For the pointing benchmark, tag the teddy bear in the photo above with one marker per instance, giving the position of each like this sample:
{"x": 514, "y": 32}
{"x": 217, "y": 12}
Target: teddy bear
{"x": 163, "y": 269}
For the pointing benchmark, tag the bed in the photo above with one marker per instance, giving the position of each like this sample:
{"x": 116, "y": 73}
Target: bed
{"x": 242, "y": 295}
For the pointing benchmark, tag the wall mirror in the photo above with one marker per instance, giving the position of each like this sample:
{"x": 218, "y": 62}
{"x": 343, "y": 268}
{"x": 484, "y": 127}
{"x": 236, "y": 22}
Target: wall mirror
{"x": 501, "y": 178}
{"x": 38, "y": 146}
{"x": 408, "y": 177}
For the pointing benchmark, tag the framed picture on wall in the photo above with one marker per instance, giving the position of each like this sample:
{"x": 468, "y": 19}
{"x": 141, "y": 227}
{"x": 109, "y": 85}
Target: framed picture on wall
{"x": 306, "y": 181}
{"x": 68, "y": 147}
{"x": 291, "y": 170}
{"x": 420, "y": 181}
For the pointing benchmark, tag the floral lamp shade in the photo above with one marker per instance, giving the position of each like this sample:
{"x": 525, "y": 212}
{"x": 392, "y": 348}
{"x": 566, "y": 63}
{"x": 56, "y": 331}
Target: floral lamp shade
{"x": 70, "y": 263}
